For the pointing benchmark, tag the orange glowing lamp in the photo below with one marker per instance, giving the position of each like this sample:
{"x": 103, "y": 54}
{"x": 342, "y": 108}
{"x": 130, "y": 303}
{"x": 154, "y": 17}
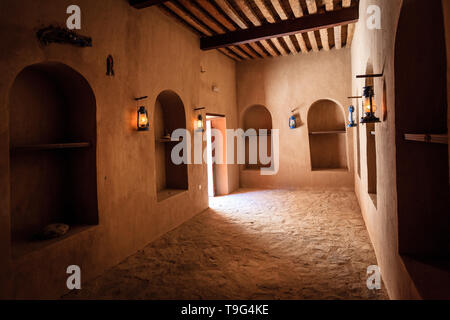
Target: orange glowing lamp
{"x": 142, "y": 119}
{"x": 200, "y": 123}
{"x": 369, "y": 106}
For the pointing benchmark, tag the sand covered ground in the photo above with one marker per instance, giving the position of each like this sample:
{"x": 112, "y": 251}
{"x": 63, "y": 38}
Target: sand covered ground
{"x": 253, "y": 244}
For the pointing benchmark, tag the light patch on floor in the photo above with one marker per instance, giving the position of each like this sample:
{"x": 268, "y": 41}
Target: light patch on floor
{"x": 254, "y": 244}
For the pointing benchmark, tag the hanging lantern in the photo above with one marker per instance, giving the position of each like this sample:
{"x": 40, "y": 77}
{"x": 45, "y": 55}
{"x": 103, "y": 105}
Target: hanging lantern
{"x": 292, "y": 122}
{"x": 199, "y": 123}
{"x": 142, "y": 119}
{"x": 369, "y": 106}
{"x": 351, "y": 122}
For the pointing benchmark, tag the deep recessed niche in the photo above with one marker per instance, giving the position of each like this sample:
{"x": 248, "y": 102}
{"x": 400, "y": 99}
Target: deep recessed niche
{"x": 327, "y": 136}
{"x": 257, "y": 117}
{"x": 169, "y": 115}
{"x": 52, "y": 153}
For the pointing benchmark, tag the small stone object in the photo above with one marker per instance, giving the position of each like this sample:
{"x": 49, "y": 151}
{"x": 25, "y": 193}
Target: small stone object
{"x": 55, "y": 230}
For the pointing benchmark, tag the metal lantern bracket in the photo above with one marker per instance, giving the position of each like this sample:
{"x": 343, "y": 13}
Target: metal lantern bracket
{"x": 364, "y": 76}
{"x": 110, "y": 66}
{"x": 52, "y": 34}
{"x": 141, "y": 98}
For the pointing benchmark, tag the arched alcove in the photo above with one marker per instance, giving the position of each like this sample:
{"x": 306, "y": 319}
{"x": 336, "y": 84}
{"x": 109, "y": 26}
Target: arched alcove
{"x": 257, "y": 117}
{"x": 169, "y": 115}
{"x": 53, "y": 152}
{"x": 421, "y": 108}
{"x": 327, "y": 136}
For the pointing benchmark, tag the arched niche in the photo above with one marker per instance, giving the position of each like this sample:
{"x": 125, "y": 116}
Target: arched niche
{"x": 257, "y": 117}
{"x": 327, "y": 136}
{"x": 421, "y": 108}
{"x": 53, "y": 172}
{"x": 169, "y": 115}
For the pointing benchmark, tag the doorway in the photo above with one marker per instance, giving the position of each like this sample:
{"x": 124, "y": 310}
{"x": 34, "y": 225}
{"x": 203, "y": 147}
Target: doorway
{"x": 216, "y": 141}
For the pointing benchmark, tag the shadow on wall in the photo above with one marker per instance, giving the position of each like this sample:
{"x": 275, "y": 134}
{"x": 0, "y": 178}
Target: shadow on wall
{"x": 422, "y": 168}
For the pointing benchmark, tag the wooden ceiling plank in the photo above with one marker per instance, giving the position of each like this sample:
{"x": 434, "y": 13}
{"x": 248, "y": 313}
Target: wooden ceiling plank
{"x": 243, "y": 48}
{"x": 211, "y": 9}
{"x": 283, "y": 16}
{"x": 298, "y": 13}
{"x": 271, "y": 19}
{"x": 260, "y": 51}
{"x": 268, "y": 16}
{"x": 351, "y": 26}
{"x": 269, "y": 48}
{"x": 183, "y": 22}
{"x": 329, "y": 6}
{"x": 180, "y": 13}
{"x": 296, "y": 8}
{"x": 232, "y": 14}
{"x": 247, "y": 11}
{"x": 279, "y": 9}
{"x": 307, "y": 23}
{"x": 230, "y": 54}
{"x": 194, "y": 10}
{"x": 312, "y": 9}
{"x": 301, "y": 42}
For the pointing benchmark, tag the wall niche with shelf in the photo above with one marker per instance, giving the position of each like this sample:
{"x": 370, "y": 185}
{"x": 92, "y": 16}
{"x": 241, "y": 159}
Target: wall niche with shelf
{"x": 53, "y": 174}
{"x": 327, "y": 136}
{"x": 257, "y": 117}
{"x": 169, "y": 115}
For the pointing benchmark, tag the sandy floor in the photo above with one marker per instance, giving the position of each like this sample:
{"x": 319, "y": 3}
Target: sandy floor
{"x": 253, "y": 245}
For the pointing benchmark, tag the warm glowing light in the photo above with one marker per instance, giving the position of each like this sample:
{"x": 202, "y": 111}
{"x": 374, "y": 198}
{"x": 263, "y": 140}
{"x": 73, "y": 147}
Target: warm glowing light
{"x": 199, "y": 122}
{"x": 369, "y": 104}
{"x": 143, "y": 124}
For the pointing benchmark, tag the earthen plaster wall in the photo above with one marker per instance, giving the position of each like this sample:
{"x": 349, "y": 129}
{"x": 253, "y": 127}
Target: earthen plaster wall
{"x": 296, "y": 82}
{"x": 151, "y": 53}
{"x": 374, "y": 50}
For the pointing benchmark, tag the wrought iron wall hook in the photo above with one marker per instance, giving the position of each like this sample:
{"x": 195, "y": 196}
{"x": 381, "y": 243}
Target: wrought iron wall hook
{"x": 110, "y": 66}
{"x": 141, "y": 98}
{"x": 52, "y": 34}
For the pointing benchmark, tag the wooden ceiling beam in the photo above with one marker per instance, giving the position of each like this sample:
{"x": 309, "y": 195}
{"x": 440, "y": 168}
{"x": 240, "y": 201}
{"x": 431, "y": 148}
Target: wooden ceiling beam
{"x": 309, "y": 23}
{"x": 141, "y": 4}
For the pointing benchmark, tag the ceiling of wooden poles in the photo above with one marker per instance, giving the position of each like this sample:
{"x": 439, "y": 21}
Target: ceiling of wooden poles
{"x": 252, "y": 29}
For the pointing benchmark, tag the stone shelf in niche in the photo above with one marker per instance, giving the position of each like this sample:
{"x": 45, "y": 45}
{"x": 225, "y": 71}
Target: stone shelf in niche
{"x": 23, "y": 248}
{"x": 328, "y": 132}
{"x": 168, "y": 193}
{"x": 428, "y": 138}
{"x": 51, "y": 146}
{"x": 167, "y": 140}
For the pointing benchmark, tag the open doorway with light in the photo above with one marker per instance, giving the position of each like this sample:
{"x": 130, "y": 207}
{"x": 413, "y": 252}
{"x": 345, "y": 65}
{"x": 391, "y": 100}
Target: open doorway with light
{"x": 216, "y": 158}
